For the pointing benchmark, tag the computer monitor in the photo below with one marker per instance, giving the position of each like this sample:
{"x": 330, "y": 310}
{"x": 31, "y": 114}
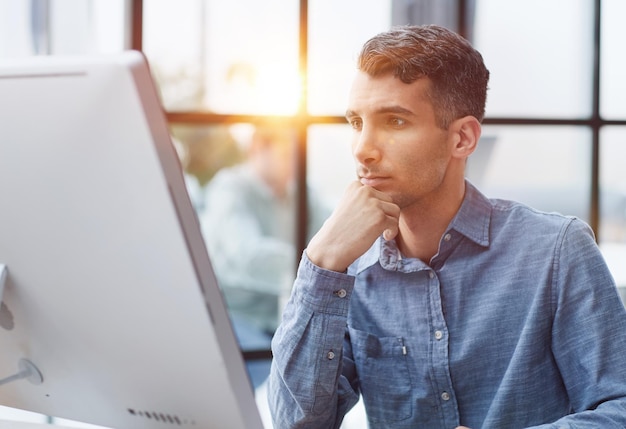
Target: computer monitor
{"x": 108, "y": 291}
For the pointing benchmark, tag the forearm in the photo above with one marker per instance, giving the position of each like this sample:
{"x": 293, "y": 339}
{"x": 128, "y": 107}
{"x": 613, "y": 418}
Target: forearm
{"x": 309, "y": 383}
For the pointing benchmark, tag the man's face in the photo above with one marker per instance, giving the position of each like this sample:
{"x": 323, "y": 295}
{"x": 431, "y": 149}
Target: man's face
{"x": 396, "y": 144}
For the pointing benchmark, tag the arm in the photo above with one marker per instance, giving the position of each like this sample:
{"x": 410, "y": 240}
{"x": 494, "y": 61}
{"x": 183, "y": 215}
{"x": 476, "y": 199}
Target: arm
{"x": 588, "y": 337}
{"x": 312, "y": 382}
{"x": 589, "y": 334}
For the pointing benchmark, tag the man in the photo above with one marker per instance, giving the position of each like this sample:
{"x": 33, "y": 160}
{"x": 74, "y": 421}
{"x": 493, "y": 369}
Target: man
{"x": 440, "y": 307}
{"x": 249, "y": 226}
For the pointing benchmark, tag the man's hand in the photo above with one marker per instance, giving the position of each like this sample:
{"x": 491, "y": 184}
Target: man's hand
{"x": 362, "y": 215}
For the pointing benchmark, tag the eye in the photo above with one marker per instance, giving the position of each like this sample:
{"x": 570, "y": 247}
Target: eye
{"x": 355, "y": 123}
{"x": 397, "y": 122}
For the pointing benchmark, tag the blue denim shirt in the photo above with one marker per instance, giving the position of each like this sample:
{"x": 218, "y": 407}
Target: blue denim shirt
{"x": 515, "y": 323}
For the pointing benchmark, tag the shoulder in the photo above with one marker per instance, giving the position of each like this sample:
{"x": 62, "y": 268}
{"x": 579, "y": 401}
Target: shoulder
{"x": 488, "y": 220}
{"x": 237, "y": 182}
{"x": 235, "y": 175}
{"x": 507, "y": 212}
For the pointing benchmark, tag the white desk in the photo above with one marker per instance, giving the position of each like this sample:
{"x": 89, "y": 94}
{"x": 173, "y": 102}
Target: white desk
{"x": 7, "y": 424}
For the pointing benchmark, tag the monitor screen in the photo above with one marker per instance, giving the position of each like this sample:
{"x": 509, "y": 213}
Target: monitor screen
{"x": 110, "y": 312}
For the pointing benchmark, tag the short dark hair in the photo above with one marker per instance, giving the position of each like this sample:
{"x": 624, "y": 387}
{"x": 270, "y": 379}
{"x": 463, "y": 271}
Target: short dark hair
{"x": 457, "y": 71}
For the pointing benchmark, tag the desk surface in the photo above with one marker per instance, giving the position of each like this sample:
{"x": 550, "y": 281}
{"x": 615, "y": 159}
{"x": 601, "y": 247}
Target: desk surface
{"x": 8, "y": 424}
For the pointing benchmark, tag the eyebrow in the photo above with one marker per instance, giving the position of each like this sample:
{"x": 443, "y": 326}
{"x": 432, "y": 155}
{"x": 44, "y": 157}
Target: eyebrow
{"x": 382, "y": 110}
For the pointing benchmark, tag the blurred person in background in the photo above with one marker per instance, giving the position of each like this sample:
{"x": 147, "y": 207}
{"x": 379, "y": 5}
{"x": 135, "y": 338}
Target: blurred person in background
{"x": 249, "y": 225}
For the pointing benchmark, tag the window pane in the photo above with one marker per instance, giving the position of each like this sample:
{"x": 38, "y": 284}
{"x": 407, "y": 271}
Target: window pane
{"x": 540, "y": 56}
{"x": 69, "y": 27}
{"x": 15, "y": 30}
{"x": 337, "y": 29}
{"x": 223, "y": 56}
{"x": 613, "y": 84}
{"x": 330, "y": 167}
{"x": 84, "y": 27}
{"x": 613, "y": 202}
{"x": 204, "y": 150}
{"x": 613, "y": 185}
{"x": 175, "y": 55}
{"x": 545, "y": 167}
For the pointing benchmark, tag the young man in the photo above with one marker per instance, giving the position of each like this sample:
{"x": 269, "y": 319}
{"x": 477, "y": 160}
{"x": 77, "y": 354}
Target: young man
{"x": 443, "y": 308}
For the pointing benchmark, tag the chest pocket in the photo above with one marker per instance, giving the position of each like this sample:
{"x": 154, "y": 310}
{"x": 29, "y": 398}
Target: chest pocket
{"x": 384, "y": 376}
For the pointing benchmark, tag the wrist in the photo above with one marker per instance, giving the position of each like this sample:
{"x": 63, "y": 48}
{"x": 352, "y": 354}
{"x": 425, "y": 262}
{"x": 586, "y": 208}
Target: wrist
{"x": 323, "y": 258}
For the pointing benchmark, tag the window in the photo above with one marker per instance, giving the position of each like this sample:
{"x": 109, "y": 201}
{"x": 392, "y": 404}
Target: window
{"x": 69, "y": 27}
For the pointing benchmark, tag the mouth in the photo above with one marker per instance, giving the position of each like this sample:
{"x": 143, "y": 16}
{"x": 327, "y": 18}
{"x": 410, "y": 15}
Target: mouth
{"x": 373, "y": 181}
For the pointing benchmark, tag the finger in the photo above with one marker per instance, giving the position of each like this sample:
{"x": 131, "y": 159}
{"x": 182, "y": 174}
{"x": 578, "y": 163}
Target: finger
{"x": 391, "y": 209}
{"x": 382, "y": 196}
{"x": 392, "y": 212}
{"x": 389, "y": 234}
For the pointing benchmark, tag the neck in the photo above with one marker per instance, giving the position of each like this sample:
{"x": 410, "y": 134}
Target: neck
{"x": 423, "y": 224}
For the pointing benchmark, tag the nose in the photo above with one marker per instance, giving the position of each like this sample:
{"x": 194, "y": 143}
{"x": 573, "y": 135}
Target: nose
{"x": 365, "y": 147}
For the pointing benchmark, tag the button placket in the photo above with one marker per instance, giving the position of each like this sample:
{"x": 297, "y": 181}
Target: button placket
{"x": 439, "y": 359}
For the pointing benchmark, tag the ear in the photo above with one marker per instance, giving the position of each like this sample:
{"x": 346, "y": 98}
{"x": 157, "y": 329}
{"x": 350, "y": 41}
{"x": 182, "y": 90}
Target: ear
{"x": 466, "y": 133}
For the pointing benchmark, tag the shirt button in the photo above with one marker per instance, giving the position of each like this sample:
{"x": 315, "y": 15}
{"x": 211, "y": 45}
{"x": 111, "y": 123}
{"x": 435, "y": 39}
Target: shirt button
{"x": 447, "y": 237}
{"x": 438, "y": 335}
{"x": 331, "y": 355}
{"x": 445, "y": 396}
{"x": 341, "y": 293}
{"x": 431, "y": 274}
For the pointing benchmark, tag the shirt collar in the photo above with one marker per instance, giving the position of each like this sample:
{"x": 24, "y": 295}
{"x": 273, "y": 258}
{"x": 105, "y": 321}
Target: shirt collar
{"x": 474, "y": 217}
{"x": 472, "y": 220}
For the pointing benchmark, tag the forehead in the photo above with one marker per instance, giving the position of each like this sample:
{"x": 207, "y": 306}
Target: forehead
{"x": 369, "y": 94}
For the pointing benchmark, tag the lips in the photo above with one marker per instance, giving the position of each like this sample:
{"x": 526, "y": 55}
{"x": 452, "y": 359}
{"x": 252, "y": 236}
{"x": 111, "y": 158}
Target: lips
{"x": 373, "y": 181}
{"x": 368, "y": 177}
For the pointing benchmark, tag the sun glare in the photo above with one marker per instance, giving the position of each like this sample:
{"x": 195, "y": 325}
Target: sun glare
{"x": 277, "y": 91}
{"x": 257, "y": 88}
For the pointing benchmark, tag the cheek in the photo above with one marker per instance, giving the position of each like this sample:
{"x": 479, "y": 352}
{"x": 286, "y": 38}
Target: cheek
{"x": 425, "y": 165}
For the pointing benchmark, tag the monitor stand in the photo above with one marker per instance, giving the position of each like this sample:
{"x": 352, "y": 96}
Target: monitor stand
{"x": 26, "y": 369}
